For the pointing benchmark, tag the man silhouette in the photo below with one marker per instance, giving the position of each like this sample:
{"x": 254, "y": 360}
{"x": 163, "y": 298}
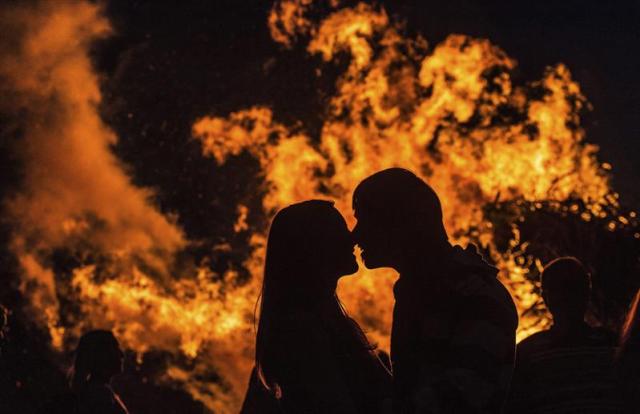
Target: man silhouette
{"x": 567, "y": 368}
{"x": 454, "y": 323}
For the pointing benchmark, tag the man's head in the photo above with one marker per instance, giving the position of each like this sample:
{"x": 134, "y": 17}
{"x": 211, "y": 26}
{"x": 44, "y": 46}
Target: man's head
{"x": 397, "y": 212}
{"x": 566, "y": 287}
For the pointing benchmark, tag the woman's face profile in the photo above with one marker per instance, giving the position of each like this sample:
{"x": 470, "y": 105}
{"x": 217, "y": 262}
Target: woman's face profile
{"x": 339, "y": 248}
{"x": 310, "y": 238}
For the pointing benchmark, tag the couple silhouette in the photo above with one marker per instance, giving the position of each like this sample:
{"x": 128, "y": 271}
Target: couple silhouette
{"x": 454, "y": 323}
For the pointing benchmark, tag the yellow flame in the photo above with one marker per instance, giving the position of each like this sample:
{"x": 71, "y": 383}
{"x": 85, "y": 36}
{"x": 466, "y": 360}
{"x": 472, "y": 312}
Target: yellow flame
{"x": 439, "y": 114}
{"x": 287, "y": 20}
{"x": 441, "y": 121}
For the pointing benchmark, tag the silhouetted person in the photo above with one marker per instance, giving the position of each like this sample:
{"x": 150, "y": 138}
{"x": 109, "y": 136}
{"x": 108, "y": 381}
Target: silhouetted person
{"x": 310, "y": 356}
{"x": 454, "y": 323}
{"x": 98, "y": 359}
{"x": 628, "y": 358}
{"x": 568, "y": 368}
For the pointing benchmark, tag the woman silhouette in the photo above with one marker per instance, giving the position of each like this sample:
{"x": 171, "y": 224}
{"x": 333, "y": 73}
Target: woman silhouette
{"x": 310, "y": 355}
{"x": 98, "y": 359}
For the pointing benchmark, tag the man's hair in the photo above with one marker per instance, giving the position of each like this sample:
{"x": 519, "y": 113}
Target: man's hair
{"x": 566, "y": 280}
{"x": 398, "y": 195}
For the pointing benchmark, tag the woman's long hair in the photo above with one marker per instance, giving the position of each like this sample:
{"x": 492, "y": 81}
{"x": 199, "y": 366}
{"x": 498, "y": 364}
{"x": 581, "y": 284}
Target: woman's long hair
{"x": 297, "y": 238}
{"x": 90, "y": 356}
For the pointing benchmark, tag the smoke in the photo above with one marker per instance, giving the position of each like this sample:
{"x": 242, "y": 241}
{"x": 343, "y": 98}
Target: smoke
{"x": 76, "y": 196}
{"x": 74, "y": 190}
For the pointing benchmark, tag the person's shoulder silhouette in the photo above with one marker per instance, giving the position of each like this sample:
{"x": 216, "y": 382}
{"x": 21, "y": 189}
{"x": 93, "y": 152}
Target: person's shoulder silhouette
{"x": 454, "y": 323}
{"x": 569, "y": 366}
{"x": 98, "y": 359}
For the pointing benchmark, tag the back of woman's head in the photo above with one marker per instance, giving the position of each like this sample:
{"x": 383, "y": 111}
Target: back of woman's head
{"x": 98, "y": 355}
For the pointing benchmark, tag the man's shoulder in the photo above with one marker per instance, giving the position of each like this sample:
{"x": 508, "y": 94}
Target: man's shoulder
{"x": 483, "y": 294}
{"x": 470, "y": 275}
{"x": 535, "y": 342}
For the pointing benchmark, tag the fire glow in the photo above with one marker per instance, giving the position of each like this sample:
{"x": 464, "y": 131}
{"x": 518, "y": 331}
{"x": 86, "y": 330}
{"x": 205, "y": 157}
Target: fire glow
{"x": 450, "y": 112}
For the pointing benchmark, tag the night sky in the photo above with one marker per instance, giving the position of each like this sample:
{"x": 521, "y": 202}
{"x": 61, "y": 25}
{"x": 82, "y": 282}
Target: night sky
{"x": 168, "y": 65}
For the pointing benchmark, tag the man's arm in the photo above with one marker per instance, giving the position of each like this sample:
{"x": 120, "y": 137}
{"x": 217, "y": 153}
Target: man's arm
{"x": 483, "y": 349}
{"x": 475, "y": 372}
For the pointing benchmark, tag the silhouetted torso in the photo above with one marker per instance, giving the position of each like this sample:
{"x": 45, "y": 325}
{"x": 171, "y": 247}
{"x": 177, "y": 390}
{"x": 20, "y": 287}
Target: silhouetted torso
{"x": 323, "y": 366}
{"x": 565, "y": 372}
{"x": 453, "y": 338}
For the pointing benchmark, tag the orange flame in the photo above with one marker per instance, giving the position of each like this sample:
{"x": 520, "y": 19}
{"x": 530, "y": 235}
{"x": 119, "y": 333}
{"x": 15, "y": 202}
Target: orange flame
{"x": 452, "y": 115}
{"x": 437, "y": 114}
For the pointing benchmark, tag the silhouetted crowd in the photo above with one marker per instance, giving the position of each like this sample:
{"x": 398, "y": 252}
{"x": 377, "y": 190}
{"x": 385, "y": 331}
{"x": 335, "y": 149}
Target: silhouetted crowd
{"x": 453, "y": 336}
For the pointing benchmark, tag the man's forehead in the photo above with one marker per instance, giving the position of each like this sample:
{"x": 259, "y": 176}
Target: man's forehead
{"x": 369, "y": 210}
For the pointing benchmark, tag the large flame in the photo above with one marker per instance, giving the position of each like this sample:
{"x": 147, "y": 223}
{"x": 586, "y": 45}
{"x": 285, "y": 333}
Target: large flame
{"x": 452, "y": 114}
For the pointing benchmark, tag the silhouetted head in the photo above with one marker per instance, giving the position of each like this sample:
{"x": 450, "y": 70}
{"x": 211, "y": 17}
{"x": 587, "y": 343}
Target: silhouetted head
{"x": 397, "y": 212}
{"x": 308, "y": 250}
{"x": 97, "y": 358}
{"x": 566, "y": 287}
